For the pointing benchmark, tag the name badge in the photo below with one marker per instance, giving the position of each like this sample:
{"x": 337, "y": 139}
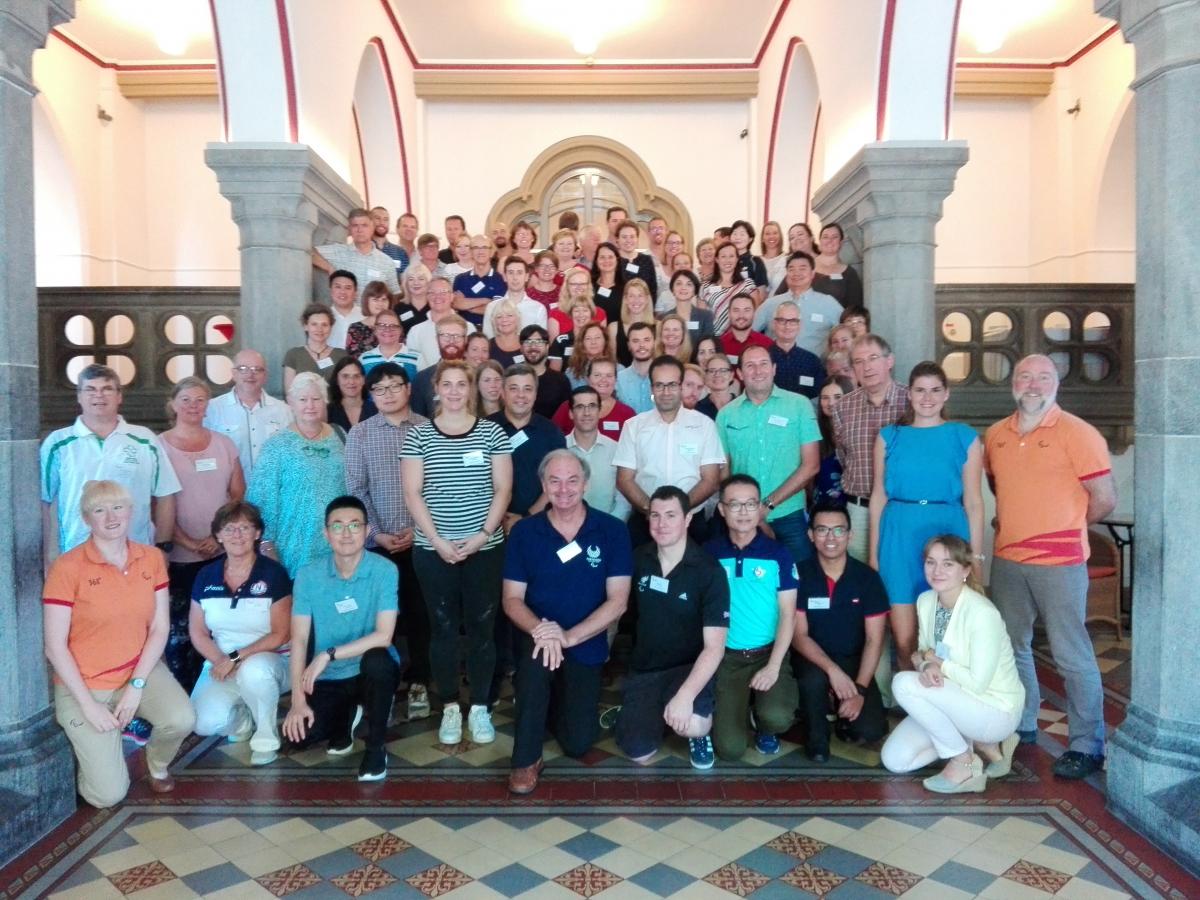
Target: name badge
{"x": 345, "y": 606}
{"x": 942, "y": 650}
{"x": 473, "y": 458}
{"x": 567, "y": 351}
{"x": 780, "y": 421}
{"x": 374, "y": 274}
{"x": 806, "y": 381}
{"x": 477, "y": 287}
{"x": 569, "y": 552}
{"x": 632, "y": 268}
{"x": 818, "y": 603}
{"x": 206, "y": 465}
{"x": 836, "y": 276}
{"x": 693, "y": 326}
{"x": 733, "y": 358}
{"x": 604, "y": 292}
{"x": 518, "y": 358}
{"x": 399, "y": 264}
{"x": 745, "y": 273}
{"x": 405, "y": 316}
{"x": 611, "y": 426}
{"x": 817, "y": 317}
{"x": 325, "y": 363}
{"x": 518, "y": 439}
{"x": 689, "y": 449}
{"x": 660, "y": 584}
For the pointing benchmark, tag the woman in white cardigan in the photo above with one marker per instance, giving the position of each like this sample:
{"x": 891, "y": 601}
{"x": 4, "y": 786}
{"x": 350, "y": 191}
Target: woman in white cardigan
{"x": 965, "y": 697}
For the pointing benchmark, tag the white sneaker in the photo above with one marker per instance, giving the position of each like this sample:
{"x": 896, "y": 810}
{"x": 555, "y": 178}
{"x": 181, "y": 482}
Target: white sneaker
{"x": 479, "y": 721}
{"x": 241, "y": 726}
{"x": 450, "y": 732}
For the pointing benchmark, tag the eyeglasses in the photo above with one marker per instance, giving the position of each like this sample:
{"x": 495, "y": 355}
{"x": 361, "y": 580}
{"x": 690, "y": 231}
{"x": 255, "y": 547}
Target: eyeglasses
{"x": 237, "y": 530}
{"x": 836, "y": 530}
{"x": 394, "y": 388}
{"x": 863, "y": 360}
{"x": 534, "y": 342}
{"x": 547, "y": 267}
{"x": 249, "y": 370}
{"x": 477, "y": 247}
{"x": 855, "y": 320}
{"x": 438, "y": 293}
{"x": 741, "y": 505}
{"x": 666, "y": 385}
{"x": 780, "y": 320}
{"x": 352, "y": 527}
{"x": 723, "y": 370}
{"x": 452, "y": 338}
{"x": 586, "y": 407}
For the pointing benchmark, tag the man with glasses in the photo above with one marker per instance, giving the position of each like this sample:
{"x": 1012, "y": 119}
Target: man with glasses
{"x": 772, "y": 436}
{"x": 102, "y": 446}
{"x": 451, "y": 338}
{"x": 248, "y": 415}
{"x": 389, "y": 347}
{"x": 668, "y": 445}
{"x": 516, "y": 276}
{"x": 345, "y": 602}
{"x": 421, "y": 327}
{"x": 762, "y": 606}
{"x": 372, "y": 448}
{"x": 553, "y": 389}
{"x": 598, "y": 450}
{"x": 476, "y": 288}
{"x": 841, "y": 618}
{"x": 796, "y": 369}
{"x": 818, "y": 312}
{"x": 741, "y": 333}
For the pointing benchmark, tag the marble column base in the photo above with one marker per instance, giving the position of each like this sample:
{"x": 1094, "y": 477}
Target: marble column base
{"x": 37, "y": 781}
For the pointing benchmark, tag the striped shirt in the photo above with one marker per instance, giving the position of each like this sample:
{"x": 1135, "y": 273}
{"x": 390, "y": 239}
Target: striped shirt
{"x": 373, "y": 450}
{"x": 457, "y": 486}
{"x": 856, "y": 424}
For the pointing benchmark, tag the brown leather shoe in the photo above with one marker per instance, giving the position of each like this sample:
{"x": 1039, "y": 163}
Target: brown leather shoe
{"x": 525, "y": 780}
{"x": 160, "y": 785}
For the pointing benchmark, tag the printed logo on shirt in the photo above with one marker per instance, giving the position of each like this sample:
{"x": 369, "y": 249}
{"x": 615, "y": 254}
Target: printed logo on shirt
{"x": 593, "y": 556}
{"x": 795, "y": 572}
{"x": 129, "y": 456}
{"x": 643, "y": 582}
{"x": 94, "y": 582}
{"x": 258, "y": 588}
{"x": 759, "y": 572}
{"x": 855, "y": 600}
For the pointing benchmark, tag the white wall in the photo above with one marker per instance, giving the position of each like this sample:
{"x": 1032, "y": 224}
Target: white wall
{"x": 476, "y": 152}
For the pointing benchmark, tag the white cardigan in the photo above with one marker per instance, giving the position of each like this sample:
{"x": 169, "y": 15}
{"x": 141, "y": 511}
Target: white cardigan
{"x": 979, "y": 656}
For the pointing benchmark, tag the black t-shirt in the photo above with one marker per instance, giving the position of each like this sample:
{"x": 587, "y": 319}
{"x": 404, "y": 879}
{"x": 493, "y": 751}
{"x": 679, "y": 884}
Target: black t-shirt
{"x": 410, "y": 318}
{"x": 553, "y": 390}
{"x": 446, "y": 255}
{"x": 752, "y": 267}
{"x": 674, "y": 611}
{"x": 540, "y": 436}
{"x": 836, "y": 619}
{"x": 645, "y": 271}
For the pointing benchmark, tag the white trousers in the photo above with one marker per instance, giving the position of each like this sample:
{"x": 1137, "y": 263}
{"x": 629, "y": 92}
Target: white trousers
{"x": 942, "y": 722}
{"x": 860, "y": 532}
{"x": 254, "y": 687}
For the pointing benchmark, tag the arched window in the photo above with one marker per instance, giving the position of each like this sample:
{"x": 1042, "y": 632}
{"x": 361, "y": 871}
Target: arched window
{"x": 588, "y": 192}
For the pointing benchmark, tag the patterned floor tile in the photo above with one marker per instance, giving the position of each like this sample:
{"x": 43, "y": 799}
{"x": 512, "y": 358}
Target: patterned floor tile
{"x": 379, "y": 846}
{"x": 841, "y": 861}
{"x": 364, "y": 880}
{"x": 587, "y": 880}
{"x": 1036, "y": 876}
{"x": 438, "y": 880}
{"x": 139, "y": 878}
{"x": 814, "y": 879}
{"x": 289, "y": 880}
{"x": 797, "y": 845}
{"x": 737, "y": 879}
{"x": 890, "y": 879}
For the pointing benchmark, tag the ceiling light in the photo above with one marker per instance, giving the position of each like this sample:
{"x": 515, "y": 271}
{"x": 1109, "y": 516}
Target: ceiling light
{"x": 988, "y": 23}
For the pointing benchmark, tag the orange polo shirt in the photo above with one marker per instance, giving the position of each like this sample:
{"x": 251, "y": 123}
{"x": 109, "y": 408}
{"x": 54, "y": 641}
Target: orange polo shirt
{"x": 1039, "y": 477}
{"x": 111, "y": 610}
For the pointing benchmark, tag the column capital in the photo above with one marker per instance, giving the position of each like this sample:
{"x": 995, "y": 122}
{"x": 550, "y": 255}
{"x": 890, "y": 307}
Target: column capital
{"x": 24, "y": 26}
{"x": 1166, "y": 33}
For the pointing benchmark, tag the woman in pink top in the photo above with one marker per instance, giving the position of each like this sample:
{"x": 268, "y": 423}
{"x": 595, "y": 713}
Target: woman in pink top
{"x": 210, "y": 475}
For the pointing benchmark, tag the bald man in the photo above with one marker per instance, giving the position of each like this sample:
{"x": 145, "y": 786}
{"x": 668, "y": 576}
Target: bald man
{"x": 248, "y": 415}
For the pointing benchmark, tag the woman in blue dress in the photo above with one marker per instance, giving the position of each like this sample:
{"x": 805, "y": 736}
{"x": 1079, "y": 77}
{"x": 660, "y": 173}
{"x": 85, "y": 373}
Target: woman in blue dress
{"x": 928, "y": 480}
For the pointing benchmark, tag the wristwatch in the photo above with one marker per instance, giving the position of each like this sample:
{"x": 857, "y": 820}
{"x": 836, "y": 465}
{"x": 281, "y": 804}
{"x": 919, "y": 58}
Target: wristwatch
{"x": 332, "y": 651}
{"x": 769, "y": 505}
{"x": 235, "y": 656}
{"x": 138, "y": 683}
{"x": 862, "y": 691}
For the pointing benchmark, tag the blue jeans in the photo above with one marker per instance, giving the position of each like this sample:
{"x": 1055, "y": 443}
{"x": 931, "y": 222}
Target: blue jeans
{"x": 1058, "y": 594}
{"x": 792, "y": 531}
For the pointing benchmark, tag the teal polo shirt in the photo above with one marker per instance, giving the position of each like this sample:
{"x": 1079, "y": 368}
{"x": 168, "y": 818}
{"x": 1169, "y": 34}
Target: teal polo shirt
{"x": 343, "y": 609}
{"x": 764, "y": 441}
{"x": 756, "y": 573}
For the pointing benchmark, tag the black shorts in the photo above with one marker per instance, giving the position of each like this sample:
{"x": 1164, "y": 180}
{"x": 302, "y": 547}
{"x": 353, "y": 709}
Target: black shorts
{"x": 640, "y": 724}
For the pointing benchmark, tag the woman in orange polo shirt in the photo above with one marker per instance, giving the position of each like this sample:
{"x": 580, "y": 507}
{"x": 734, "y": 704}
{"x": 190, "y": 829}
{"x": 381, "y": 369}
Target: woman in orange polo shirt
{"x": 106, "y": 621}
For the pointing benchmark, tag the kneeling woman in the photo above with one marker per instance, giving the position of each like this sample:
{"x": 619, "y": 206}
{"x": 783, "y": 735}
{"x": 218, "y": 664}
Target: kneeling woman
{"x": 106, "y": 621}
{"x": 239, "y": 622}
{"x": 965, "y": 697}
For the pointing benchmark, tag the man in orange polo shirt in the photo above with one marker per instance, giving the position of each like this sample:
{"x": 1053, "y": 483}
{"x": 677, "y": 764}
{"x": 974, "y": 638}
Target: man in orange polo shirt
{"x": 1052, "y": 478}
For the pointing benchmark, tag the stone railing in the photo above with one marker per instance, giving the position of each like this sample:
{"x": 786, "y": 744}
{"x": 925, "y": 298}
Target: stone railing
{"x": 1087, "y": 329}
{"x": 152, "y": 336}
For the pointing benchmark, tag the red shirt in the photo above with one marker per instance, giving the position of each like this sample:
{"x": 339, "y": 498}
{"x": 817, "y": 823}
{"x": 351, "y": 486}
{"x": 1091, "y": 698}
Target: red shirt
{"x": 610, "y": 425}
{"x": 733, "y": 348}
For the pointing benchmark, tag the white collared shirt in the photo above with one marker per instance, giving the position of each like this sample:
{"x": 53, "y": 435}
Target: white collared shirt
{"x": 663, "y": 452}
{"x": 341, "y": 325}
{"x": 601, "y": 493}
{"x": 247, "y": 427}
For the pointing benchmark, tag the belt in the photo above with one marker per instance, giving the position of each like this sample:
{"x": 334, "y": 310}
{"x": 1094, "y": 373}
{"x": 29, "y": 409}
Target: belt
{"x": 858, "y": 501}
{"x": 921, "y": 502}
{"x": 752, "y": 652}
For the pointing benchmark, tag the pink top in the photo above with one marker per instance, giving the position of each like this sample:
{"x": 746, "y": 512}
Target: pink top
{"x": 204, "y": 479}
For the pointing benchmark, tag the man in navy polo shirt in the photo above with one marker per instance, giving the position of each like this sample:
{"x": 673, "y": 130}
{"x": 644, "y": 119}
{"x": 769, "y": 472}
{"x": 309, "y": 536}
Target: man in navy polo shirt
{"x": 762, "y": 607}
{"x": 841, "y": 617}
{"x": 566, "y": 578}
{"x": 475, "y": 289}
{"x": 683, "y": 617}
{"x": 347, "y": 601}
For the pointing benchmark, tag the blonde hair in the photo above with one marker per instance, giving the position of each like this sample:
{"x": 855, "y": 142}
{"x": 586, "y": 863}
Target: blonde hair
{"x": 504, "y": 306}
{"x": 959, "y": 552}
{"x": 564, "y": 293}
{"x": 412, "y": 271}
{"x": 684, "y": 354}
{"x": 306, "y": 380}
{"x": 95, "y": 492}
{"x": 647, "y": 314}
{"x": 182, "y": 385}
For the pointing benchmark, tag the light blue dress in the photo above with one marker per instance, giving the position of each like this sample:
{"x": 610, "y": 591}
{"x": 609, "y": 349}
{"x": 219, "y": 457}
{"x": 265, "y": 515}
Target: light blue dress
{"x": 293, "y": 480}
{"x": 920, "y": 464}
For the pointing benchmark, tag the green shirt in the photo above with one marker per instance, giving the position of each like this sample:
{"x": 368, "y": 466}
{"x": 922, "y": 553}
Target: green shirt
{"x": 764, "y": 441}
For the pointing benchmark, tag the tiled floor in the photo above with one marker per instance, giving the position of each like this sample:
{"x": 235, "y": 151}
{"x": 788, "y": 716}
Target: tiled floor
{"x": 443, "y": 824}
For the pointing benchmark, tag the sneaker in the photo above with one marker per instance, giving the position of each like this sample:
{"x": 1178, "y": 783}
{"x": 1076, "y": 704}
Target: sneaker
{"x": 263, "y": 757}
{"x": 450, "y": 732}
{"x": 700, "y": 750}
{"x": 766, "y": 744}
{"x": 373, "y": 766}
{"x": 418, "y": 702}
{"x": 479, "y": 723}
{"x": 608, "y": 718}
{"x": 243, "y": 726}
{"x": 347, "y": 744}
{"x": 1075, "y": 765}
{"x": 138, "y": 731}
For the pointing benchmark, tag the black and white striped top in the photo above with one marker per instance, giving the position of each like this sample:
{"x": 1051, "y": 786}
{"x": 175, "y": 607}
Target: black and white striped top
{"x": 458, "y": 478}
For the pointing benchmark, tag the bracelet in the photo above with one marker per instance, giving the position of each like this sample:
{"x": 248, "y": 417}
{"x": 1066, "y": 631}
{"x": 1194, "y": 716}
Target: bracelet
{"x": 980, "y": 556}
{"x": 923, "y": 666}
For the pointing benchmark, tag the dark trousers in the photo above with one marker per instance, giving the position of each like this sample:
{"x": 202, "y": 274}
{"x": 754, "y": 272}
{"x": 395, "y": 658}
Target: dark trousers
{"x": 871, "y": 723}
{"x": 179, "y": 654}
{"x": 463, "y": 594}
{"x": 411, "y": 637}
{"x": 333, "y": 701}
{"x": 567, "y": 699}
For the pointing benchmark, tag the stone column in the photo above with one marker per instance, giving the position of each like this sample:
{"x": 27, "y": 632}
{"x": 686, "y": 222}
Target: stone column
{"x": 1154, "y": 759}
{"x": 888, "y": 199}
{"x": 285, "y": 199}
{"x": 37, "y": 775}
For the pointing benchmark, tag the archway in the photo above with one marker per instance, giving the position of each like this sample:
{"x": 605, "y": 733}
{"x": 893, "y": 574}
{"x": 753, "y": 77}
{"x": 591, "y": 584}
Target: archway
{"x": 1113, "y": 237}
{"x": 380, "y": 134}
{"x": 793, "y": 137}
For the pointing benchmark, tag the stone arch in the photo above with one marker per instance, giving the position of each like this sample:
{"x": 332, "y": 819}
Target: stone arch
{"x": 793, "y": 137}
{"x": 596, "y": 152}
{"x": 380, "y": 136}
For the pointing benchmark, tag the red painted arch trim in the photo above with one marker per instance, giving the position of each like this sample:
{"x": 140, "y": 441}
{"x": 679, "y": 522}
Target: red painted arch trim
{"x": 131, "y": 67}
{"x": 289, "y": 72}
{"x": 377, "y": 42}
{"x": 781, "y": 89}
{"x": 885, "y": 63}
{"x": 362, "y": 159}
{"x": 769, "y": 36}
{"x": 1054, "y": 64}
{"x": 812, "y": 161}
{"x": 950, "y": 69}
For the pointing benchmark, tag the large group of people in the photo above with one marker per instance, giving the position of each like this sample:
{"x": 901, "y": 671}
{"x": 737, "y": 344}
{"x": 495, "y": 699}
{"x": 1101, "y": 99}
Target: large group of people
{"x": 491, "y": 461}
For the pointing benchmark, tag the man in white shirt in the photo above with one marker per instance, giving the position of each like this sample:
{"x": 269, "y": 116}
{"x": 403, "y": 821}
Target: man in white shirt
{"x": 516, "y": 275}
{"x": 247, "y": 415}
{"x": 586, "y": 442}
{"x": 422, "y": 338}
{"x": 818, "y": 312}
{"x": 667, "y": 445}
{"x": 99, "y": 446}
{"x": 343, "y": 299}
{"x": 360, "y": 256}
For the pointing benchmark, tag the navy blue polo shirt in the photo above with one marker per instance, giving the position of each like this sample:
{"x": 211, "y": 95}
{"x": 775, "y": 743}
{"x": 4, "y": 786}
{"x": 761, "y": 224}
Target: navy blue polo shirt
{"x": 674, "y": 610}
{"x": 479, "y": 287}
{"x": 240, "y": 617}
{"x": 798, "y": 370}
{"x": 530, "y": 446}
{"x": 836, "y": 617}
{"x": 565, "y": 581}
{"x": 756, "y": 573}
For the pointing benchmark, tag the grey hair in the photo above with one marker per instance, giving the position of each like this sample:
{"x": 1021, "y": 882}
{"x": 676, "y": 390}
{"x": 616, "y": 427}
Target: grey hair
{"x": 563, "y": 453}
{"x": 307, "y": 380}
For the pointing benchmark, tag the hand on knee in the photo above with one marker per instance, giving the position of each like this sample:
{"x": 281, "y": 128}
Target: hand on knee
{"x": 696, "y": 727}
